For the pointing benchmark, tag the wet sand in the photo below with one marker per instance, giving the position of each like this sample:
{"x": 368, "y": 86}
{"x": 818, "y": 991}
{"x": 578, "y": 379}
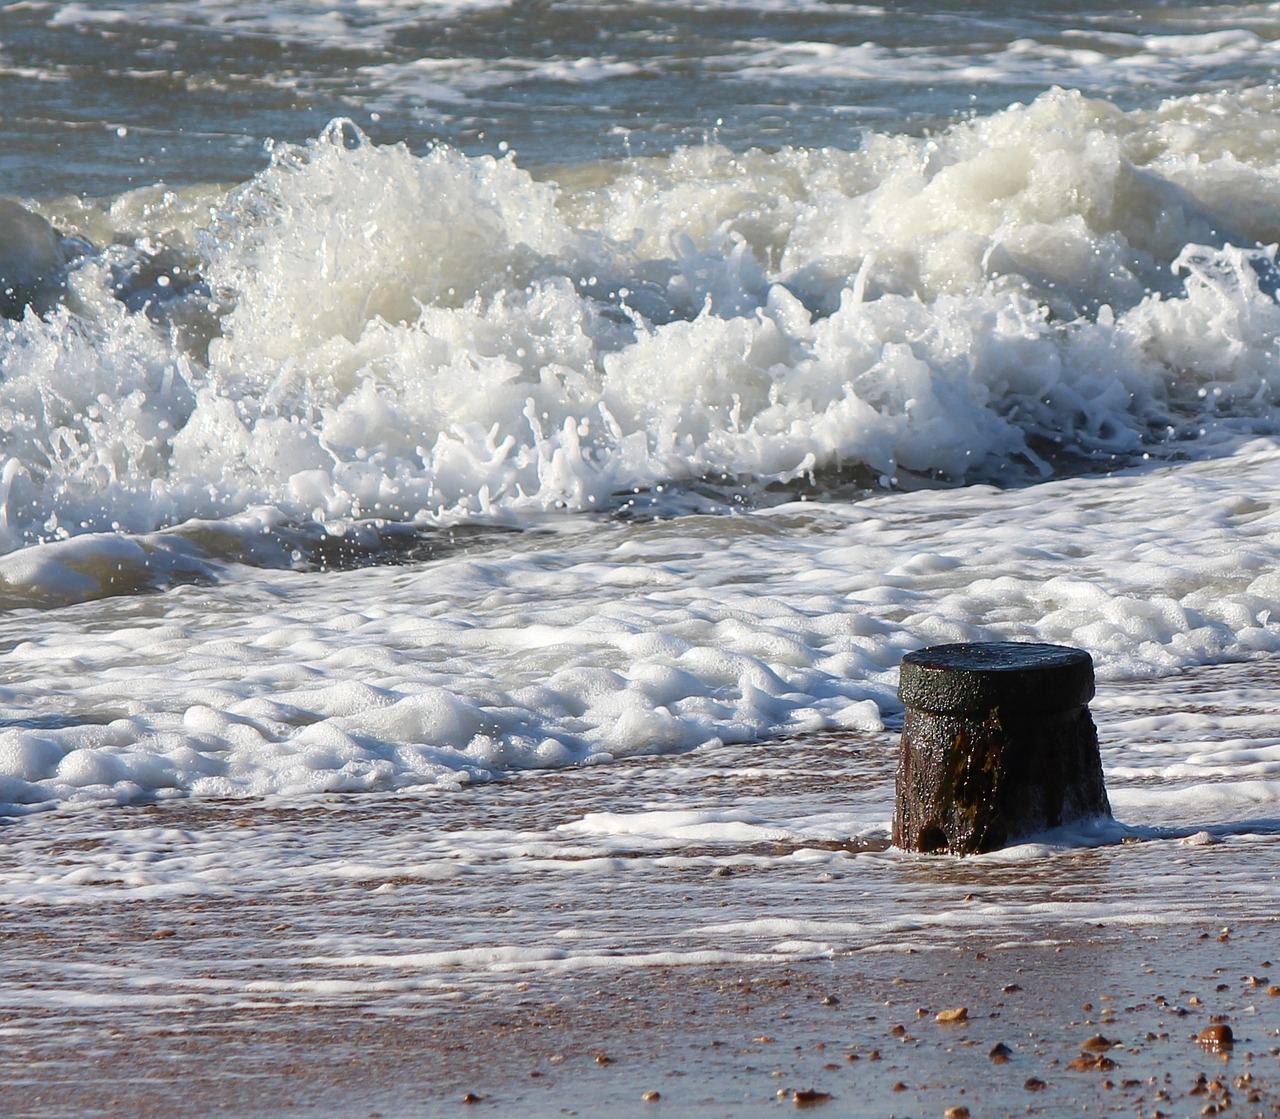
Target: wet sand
{"x": 290, "y": 965}
{"x": 854, "y": 1035}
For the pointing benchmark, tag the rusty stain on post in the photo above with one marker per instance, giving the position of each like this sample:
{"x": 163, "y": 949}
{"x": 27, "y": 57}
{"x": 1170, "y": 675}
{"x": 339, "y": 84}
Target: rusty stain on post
{"x": 997, "y": 744}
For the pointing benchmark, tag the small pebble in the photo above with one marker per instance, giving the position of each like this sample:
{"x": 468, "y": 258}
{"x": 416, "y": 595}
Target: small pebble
{"x": 952, "y": 1016}
{"x": 1035, "y": 1084}
{"x": 651, "y": 1097}
{"x": 959, "y": 1112}
{"x": 1217, "y": 1036}
{"x": 1200, "y": 839}
{"x": 1000, "y": 1053}
{"x": 1090, "y": 1061}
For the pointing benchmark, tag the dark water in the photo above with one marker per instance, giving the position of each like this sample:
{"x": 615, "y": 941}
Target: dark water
{"x": 99, "y": 99}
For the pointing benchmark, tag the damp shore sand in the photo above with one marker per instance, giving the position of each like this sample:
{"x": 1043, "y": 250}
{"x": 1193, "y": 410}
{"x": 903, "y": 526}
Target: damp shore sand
{"x": 849, "y": 1036}
{"x": 247, "y": 959}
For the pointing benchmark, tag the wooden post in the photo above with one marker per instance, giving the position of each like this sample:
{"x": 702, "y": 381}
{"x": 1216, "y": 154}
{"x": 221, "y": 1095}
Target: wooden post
{"x": 998, "y": 744}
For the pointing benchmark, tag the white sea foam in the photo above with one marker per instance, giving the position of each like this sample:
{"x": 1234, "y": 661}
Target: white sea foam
{"x": 1104, "y": 62}
{"x": 423, "y": 337}
{"x": 560, "y": 650}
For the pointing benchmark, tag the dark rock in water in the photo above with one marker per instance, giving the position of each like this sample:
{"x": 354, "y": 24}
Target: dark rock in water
{"x": 32, "y": 261}
{"x": 998, "y": 744}
{"x": 1216, "y": 1037}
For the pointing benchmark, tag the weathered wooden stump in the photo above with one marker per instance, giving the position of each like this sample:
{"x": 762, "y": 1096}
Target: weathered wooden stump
{"x": 998, "y": 743}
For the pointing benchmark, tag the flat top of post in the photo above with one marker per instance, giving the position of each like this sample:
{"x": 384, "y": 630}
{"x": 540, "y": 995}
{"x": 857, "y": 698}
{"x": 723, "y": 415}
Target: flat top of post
{"x": 997, "y": 656}
{"x": 1016, "y": 675}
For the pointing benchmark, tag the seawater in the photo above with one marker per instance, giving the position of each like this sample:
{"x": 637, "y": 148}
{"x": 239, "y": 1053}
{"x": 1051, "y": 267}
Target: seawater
{"x": 442, "y": 392}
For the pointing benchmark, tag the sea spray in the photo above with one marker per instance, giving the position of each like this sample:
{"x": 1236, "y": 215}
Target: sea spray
{"x": 364, "y": 334}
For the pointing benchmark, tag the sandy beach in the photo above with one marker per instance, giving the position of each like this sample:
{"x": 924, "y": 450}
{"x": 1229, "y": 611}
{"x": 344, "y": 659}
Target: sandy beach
{"x": 852, "y": 1036}
{"x": 333, "y": 964}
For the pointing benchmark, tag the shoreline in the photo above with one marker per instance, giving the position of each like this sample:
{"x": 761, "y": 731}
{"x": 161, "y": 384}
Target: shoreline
{"x": 853, "y": 1035}
{"x": 692, "y": 926}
